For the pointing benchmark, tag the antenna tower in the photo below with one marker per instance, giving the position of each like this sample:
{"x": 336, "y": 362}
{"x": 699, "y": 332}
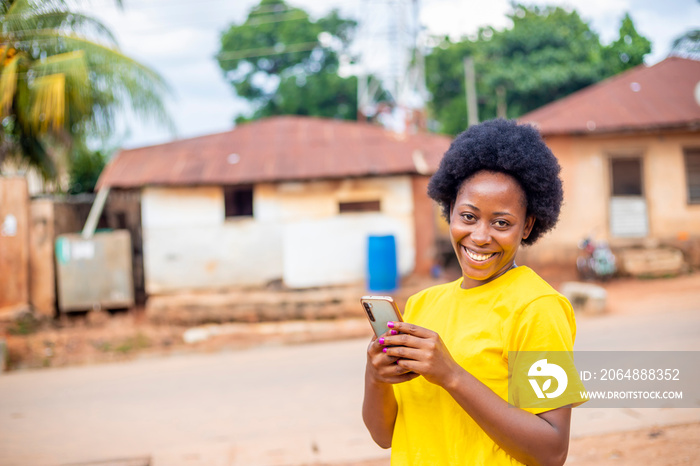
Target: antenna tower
{"x": 391, "y": 72}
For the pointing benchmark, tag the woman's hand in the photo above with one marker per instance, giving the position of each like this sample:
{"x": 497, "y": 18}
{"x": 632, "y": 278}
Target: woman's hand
{"x": 382, "y": 367}
{"x": 420, "y": 351}
{"x": 379, "y": 407}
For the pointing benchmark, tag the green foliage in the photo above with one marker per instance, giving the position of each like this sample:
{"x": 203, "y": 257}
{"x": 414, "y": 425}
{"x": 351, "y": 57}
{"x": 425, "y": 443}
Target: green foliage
{"x": 284, "y": 63}
{"x": 135, "y": 343}
{"x": 85, "y": 169}
{"x": 128, "y": 345}
{"x": 687, "y": 45}
{"x": 323, "y": 94}
{"x": 547, "y": 54}
{"x": 628, "y": 50}
{"x": 62, "y": 79}
{"x": 25, "y": 324}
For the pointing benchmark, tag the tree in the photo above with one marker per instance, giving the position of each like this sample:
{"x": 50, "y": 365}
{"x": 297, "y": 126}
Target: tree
{"x": 284, "y": 63}
{"x": 86, "y": 166}
{"x": 62, "y": 80}
{"x": 687, "y": 45}
{"x": 547, "y": 54}
{"x": 628, "y": 50}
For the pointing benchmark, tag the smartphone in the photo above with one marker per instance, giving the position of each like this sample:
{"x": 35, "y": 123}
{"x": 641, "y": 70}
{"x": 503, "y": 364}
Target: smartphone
{"x": 380, "y": 310}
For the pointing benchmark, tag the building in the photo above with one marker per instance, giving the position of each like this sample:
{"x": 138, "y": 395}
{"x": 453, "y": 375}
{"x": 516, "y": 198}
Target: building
{"x": 291, "y": 199}
{"x": 629, "y": 148}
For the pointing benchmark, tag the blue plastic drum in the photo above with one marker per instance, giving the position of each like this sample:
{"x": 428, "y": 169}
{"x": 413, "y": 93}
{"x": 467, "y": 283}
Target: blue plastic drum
{"x": 382, "y": 270}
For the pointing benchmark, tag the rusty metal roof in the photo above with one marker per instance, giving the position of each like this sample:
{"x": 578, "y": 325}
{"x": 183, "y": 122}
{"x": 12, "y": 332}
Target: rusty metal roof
{"x": 663, "y": 96}
{"x": 280, "y": 148}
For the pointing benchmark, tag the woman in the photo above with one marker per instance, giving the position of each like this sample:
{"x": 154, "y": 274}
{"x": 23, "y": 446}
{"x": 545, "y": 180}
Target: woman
{"x": 436, "y": 385}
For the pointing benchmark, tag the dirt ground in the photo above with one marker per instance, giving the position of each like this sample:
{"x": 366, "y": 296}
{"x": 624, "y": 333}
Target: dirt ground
{"x": 667, "y": 446}
{"x": 100, "y": 337}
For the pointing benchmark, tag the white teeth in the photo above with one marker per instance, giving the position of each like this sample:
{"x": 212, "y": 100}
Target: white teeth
{"x": 477, "y": 257}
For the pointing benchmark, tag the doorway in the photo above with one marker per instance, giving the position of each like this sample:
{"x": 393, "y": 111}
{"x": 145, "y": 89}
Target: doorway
{"x": 628, "y": 206}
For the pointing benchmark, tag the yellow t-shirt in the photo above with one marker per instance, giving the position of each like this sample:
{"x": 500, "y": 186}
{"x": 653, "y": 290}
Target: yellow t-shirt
{"x": 517, "y": 311}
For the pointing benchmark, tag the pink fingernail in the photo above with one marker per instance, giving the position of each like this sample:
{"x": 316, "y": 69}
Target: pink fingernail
{"x": 384, "y": 350}
{"x": 394, "y": 332}
{"x": 381, "y": 341}
{"x": 390, "y": 324}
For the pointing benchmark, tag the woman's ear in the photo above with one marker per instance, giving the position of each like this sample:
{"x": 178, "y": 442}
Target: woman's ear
{"x": 529, "y": 223}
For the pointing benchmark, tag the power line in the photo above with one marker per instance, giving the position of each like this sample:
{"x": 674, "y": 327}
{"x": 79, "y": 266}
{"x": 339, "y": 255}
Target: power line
{"x": 226, "y": 56}
{"x": 267, "y": 51}
{"x": 233, "y": 55}
{"x": 291, "y": 16}
{"x": 237, "y": 55}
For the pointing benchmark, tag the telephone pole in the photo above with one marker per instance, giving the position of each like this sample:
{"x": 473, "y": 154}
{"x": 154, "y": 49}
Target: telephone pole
{"x": 470, "y": 91}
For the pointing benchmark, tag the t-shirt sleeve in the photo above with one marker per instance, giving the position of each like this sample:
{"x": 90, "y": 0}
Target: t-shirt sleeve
{"x": 539, "y": 347}
{"x": 545, "y": 324}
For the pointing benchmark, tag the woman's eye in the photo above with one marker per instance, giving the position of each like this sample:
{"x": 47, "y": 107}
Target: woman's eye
{"x": 501, "y": 223}
{"x": 469, "y": 217}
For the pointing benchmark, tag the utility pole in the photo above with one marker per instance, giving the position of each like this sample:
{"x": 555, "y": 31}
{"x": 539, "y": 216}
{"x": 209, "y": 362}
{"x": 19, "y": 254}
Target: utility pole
{"x": 470, "y": 90}
{"x": 501, "y": 104}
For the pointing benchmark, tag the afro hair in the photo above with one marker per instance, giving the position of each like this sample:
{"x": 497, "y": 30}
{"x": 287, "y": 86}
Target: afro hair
{"x": 506, "y": 147}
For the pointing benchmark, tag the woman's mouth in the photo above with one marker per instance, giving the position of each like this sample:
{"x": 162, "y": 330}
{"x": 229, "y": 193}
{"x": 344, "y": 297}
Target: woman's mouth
{"x": 477, "y": 257}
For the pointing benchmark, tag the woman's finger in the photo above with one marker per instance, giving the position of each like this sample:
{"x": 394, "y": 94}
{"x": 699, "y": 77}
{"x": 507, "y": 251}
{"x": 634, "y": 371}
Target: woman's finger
{"x": 411, "y": 329}
{"x": 402, "y": 352}
{"x": 391, "y": 371}
{"x": 411, "y": 366}
{"x": 377, "y": 343}
{"x": 402, "y": 340}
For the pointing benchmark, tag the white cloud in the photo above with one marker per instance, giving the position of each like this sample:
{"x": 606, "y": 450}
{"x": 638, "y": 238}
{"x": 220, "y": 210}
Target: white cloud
{"x": 447, "y": 17}
{"x": 179, "y": 40}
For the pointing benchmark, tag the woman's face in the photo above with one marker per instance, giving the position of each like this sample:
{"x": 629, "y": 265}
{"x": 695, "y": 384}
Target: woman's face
{"x": 487, "y": 223}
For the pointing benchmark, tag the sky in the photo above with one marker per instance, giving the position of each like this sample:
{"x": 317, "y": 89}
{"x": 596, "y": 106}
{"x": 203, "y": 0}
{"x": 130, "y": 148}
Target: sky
{"x": 179, "y": 39}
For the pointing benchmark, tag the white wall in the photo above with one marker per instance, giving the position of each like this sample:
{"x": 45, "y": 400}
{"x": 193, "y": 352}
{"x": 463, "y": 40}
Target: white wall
{"x": 297, "y": 234}
{"x": 323, "y": 247}
{"x": 187, "y": 243}
{"x": 334, "y": 250}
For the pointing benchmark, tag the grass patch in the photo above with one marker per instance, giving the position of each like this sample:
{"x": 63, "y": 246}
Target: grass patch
{"x": 25, "y": 324}
{"x": 135, "y": 343}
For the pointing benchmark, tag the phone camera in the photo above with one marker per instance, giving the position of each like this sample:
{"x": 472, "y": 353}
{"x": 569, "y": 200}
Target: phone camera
{"x": 368, "y": 310}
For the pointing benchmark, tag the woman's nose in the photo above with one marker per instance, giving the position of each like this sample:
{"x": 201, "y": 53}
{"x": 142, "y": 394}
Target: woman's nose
{"x": 481, "y": 234}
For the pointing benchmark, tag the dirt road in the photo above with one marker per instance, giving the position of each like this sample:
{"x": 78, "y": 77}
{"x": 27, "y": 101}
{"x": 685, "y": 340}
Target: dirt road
{"x": 268, "y": 405}
{"x": 162, "y": 402}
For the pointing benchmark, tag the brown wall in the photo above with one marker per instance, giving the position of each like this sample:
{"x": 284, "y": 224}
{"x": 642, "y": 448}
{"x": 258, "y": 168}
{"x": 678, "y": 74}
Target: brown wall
{"x": 424, "y": 221}
{"x": 42, "y": 289}
{"x": 50, "y": 217}
{"x": 123, "y": 211}
{"x": 27, "y": 265}
{"x": 14, "y": 243}
{"x": 585, "y": 162}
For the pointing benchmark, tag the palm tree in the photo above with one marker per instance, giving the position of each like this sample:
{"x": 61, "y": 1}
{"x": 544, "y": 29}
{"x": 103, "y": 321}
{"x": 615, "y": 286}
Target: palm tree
{"x": 63, "y": 79}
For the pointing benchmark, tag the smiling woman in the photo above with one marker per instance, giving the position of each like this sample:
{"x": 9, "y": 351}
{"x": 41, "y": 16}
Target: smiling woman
{"x": 488, "y": 222}
{"x": 437, "y": 385}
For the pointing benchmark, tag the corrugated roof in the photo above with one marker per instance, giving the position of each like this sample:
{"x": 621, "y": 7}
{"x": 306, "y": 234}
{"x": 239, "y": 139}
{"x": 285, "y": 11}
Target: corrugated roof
{"x": 281, "y": 148}
{"x": 662, "y": 96}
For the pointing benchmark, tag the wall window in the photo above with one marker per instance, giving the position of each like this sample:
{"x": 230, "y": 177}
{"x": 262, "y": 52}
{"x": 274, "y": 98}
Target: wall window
{"x": 238, "y": 201}
{"x": 359, "y": 206}
{"x": 692, "y": 174}
{"x": 626, "y": 177}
